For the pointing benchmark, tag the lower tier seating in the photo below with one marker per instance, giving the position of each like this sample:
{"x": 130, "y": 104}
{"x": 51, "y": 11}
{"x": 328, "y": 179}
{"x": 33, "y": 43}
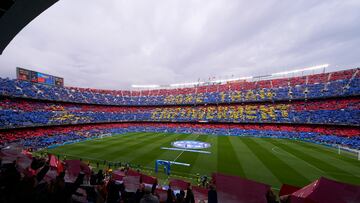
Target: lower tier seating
{"x": 46, "y": 136}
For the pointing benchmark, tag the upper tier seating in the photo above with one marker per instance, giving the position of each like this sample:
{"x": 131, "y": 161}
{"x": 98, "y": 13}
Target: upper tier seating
{"x": 325, "y": 85}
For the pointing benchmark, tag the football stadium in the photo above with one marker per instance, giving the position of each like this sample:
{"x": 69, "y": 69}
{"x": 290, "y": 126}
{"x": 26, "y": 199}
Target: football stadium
{"x": 290, "y": 136}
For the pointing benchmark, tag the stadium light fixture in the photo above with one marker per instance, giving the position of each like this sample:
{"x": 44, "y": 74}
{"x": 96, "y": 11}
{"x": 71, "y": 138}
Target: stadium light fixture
{"x": 303, "y": 69}
{"x": 145, "y": 86}
{"x": 215, "y": 81}
{"x": 233, "y": 79}
{"x": 186, "y": 84}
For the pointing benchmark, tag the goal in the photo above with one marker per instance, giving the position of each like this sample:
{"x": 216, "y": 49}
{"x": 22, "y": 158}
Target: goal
{"x": 104, "y": 135}
{"x": 349, "y": 151}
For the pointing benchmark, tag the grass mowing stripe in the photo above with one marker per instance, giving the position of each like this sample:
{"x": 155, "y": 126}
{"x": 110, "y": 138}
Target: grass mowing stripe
{"x": 101, "y": 147}
{"x": 206, "y": 164}
{"x": 250, "y": 162}
{"x": 113, "y": 152}
{"x": 328, "y": 169}
{"x": 327, "y": 150}
{"x": 227, "y": 161}
{"x": 153, "y": 151}
{"x": 148, "y": 157}
{"x": 88, "y": 153}
{"x": 194, "y": 167}
{"x": 126, "y": 136}
{"x": 306, "y": 169}
{"x": 352, "y": 166}
{"x": 119, "y": 147}
{"x": 99, "y": 141}
{"x": 256, "y": 160}
{"x": 190, "y": 157}
{"x": 280, "y": 169}
{"x": 88, "y": 147}
{"x": 119, "y": 144}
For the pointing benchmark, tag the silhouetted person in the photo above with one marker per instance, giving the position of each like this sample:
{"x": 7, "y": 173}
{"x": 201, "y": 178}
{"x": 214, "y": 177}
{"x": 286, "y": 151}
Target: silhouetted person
{"x": 212, "y": 195}
{"x": 170, "y": 196}
{"x": 148, "y": 197}
{"x": 99, "y": 177}
{"x": 189, "y": 196}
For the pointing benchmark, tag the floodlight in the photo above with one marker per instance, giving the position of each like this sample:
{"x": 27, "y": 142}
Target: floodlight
{"x": 233, "y": 79}
{"x": 303, "y": 69}
{"x": 186, "y": 84}
{"x": 145, "y": 86}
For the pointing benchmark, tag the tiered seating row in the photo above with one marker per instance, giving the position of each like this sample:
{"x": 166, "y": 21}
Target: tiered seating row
{"x": 335, "y": 84}
{"x": 43, "y": 137}
{"x": 26, "y": 113}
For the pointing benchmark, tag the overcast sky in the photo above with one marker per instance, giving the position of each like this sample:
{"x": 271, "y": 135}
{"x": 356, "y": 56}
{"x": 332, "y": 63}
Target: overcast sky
{"x": 115, "y": 43}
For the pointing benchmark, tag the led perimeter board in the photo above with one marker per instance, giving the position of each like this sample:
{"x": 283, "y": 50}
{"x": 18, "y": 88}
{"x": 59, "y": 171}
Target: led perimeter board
{"x": 34, "y": 76}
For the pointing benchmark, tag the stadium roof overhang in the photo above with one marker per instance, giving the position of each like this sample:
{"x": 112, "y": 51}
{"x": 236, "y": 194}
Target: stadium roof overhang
{"x": 16, "y": 14}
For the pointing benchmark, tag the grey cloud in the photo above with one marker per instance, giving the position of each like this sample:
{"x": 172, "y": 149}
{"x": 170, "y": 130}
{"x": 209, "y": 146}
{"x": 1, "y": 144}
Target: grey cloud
{"x": 118, "y": 43}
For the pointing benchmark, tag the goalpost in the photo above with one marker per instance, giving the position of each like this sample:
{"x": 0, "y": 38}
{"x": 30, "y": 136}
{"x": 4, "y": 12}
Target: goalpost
{"x": 104, "y": 135}
{"x": 349, "y": 151}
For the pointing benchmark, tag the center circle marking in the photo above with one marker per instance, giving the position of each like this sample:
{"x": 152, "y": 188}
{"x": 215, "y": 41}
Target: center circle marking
{"x": 190, "y": 144}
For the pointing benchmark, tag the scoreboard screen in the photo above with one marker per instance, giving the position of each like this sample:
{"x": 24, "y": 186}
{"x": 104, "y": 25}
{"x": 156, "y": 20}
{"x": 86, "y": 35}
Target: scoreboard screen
{"x": 34, "y": 76}
{"x": 23, "y": 74}
{"x": 45, "y": 78}
{"x": 59, "y": 81}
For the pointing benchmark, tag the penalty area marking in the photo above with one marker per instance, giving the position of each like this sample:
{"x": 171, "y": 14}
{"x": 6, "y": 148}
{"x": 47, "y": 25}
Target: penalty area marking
{"x": 176, "y": 163}
{"x": 186, "y": 150}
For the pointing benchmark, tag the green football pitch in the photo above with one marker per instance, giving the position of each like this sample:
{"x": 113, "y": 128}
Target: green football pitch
{"x": 271, "y": 161}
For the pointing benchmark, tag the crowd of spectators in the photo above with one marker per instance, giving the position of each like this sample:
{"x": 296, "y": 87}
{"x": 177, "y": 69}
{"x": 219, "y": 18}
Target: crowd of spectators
{"x": 24, "y": 178}
{"x": 322, "y": 108}
{"x": 38, "y": 180}
{"x": 16, "y": 112}
{"x": 42, "y": 137}
{"x": 24, "y": 104}
{"x": 334, "y": 84}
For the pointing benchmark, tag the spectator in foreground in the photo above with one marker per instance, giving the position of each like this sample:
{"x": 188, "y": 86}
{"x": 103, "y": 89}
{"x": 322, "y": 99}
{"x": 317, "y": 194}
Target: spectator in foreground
{"x": 189, "y": 196}
{"x": 113, "y": 189}
{"x": 212, "y": 195}
{"x": 271, "y": 197}
{"x": 170, "y": 196}
{"x": 153, "y": 188}
{"x": 180, "y": 197}
{"x": 100, "y": 177}
{"x": 148, "y": 197}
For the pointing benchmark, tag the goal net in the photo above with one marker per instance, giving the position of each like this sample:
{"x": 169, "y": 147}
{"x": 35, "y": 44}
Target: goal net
{"x": 104, "y": 135}
{"x": 348, "y": 151}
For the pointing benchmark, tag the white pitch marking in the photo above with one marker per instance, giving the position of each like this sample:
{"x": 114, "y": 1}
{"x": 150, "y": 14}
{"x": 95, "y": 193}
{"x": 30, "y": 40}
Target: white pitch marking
{"x": 176, "y": 163}
{"x": 273, "y": 149}
{"x": 179, "y": 155}
{"x": 186, "y": 150}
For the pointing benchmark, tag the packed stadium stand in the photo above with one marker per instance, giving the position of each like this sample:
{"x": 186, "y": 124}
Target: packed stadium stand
{"x": 317, "y": 86}
{"x": 319, "y": 108}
